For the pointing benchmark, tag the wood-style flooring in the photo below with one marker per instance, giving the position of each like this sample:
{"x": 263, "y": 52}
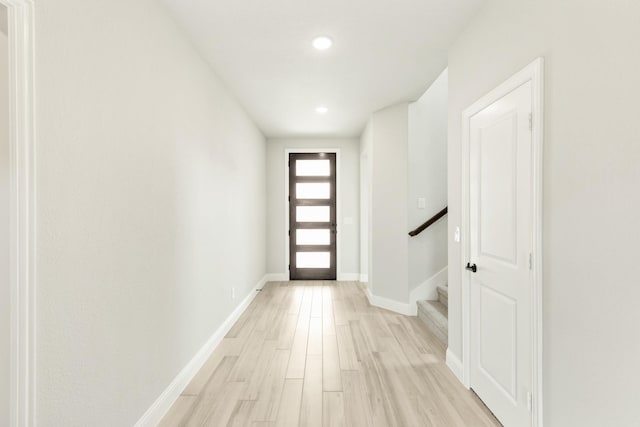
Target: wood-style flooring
{"x": 317, "y": 354}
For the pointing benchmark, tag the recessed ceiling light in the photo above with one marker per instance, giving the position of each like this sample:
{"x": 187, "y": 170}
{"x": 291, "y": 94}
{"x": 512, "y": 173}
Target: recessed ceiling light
{"x": 322, "y": 42}
{"x": 322, "y": 110}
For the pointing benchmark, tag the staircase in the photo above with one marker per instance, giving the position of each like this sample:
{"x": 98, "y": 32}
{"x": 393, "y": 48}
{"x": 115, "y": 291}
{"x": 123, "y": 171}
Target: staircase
{"x": 434, "y": 314}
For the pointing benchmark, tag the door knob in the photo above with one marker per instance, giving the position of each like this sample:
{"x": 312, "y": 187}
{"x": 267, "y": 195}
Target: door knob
{"x": 472, "y": 268}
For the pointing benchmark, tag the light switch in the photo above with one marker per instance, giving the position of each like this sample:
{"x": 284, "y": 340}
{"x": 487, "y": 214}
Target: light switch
{"x": 348, "y": 220}
{"x": 456, "y": 235}
{"x": 422, "y": 203}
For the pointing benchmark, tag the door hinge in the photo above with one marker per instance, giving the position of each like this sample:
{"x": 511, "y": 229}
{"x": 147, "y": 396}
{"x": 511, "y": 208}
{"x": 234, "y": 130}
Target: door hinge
{"x": 530, "y": 121}
{"x": 289, "y": 267}
{"x": 530, "y": 261}
{"x": 289, "y": 198}
{"x": 529, "y": 401}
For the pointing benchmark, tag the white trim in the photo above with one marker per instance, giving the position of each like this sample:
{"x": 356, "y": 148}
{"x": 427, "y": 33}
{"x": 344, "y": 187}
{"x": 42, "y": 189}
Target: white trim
{"x": 533, "y": 73}
{"x": 262, "y": 282}
{"x": 284, "y": 277}
{"x": 389, "y": 304}
{"x": 276, "y": 277}
{"x": 287, "y": 151}
{"x": 348, "y": 277}
{"x": 365, "y": 234}
{"x": 163, "y": 403}
{"x": 427, "y": 289}
{"x": 22, "y": 205}
{"x": 454, "y": 364}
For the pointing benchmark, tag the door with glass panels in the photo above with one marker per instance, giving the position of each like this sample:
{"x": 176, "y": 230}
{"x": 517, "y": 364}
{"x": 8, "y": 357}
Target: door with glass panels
{"x": 312, "y": 216}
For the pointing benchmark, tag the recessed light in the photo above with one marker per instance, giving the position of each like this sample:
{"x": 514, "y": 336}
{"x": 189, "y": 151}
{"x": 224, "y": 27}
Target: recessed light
{"x": 322, "y": 42}
{"x": 322, "y": 110}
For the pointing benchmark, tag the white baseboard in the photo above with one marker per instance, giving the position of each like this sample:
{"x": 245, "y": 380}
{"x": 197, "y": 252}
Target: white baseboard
{"x": 276, "y": 277}
{"x": 427, "y": 289}
{"x": 364, "y": 278}
{"x": 262, "y": 282}
{"x": 283, "y": 277}
{"x": 455, "y": 365}
{"x": 161, "y": 406}
{"x": 389, "y": 304}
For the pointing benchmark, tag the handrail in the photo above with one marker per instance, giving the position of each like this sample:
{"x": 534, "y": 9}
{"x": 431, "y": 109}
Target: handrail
{"x": 430, "y": 222}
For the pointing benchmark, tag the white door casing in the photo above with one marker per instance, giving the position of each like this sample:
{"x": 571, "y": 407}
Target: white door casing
{"x": 22, "y": 206}
{"x": 502, "y": 229}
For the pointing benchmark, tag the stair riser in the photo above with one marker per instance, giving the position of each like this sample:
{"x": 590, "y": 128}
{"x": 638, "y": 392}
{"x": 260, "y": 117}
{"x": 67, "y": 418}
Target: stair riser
{"x": 443, "y": 295}
{"x": 439, "y": 333}
{"x": 438, "y": 326}
{"x": 443, "y": 299}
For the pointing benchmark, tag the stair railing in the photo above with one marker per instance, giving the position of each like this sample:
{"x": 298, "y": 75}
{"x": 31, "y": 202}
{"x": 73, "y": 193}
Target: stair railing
{"x": 429, "y": 222}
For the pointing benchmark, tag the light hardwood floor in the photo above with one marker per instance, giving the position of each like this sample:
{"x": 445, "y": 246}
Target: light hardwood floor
{"x": 317, "y": 354}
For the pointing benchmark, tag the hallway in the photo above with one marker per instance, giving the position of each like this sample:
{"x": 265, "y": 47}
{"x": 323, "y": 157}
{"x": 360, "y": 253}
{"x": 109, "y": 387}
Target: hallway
{"x": 316, "y": 353}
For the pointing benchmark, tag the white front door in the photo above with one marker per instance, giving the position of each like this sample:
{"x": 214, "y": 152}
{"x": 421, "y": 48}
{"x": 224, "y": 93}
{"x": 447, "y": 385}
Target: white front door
{"x": 501, "y": 237}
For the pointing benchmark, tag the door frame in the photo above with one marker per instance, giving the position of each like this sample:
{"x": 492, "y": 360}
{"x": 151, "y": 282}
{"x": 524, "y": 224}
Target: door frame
{"x": 288, "y": 151}
{"x": 531, "y": 73}
{"x": 20, "y": 18}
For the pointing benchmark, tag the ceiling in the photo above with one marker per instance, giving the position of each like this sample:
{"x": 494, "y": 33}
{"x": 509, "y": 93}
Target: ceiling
{"x": 384, "y": 52}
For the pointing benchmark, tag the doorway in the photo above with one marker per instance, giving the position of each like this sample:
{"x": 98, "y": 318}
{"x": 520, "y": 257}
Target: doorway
{"x": 502, "y": 143}
{"x": 312, "y": 216}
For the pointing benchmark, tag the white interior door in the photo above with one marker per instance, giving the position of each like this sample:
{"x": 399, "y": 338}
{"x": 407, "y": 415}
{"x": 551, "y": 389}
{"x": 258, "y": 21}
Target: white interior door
{"x": 501, "y": 237}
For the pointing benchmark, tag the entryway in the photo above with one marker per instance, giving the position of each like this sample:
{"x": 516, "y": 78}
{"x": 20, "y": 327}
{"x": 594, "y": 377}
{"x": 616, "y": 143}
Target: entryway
{"x": 312, "y": 216}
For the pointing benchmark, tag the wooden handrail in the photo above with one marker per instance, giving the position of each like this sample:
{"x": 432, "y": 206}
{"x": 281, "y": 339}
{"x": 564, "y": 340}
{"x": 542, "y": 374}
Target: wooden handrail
{"x": 427, "y": 224}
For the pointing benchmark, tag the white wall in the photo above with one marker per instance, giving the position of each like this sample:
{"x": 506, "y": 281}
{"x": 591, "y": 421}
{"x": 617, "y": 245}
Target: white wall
{"x": 365, "y": 201}
{"x": 388, "y": 268}
{"x": 348, "y": 193}
{"x": 591, "y": 199}
{"x": 150, "y": 208}
{"x": 427, "y": 168}
{"x": 4, "y": 229}
{"x": 403, "y": 155}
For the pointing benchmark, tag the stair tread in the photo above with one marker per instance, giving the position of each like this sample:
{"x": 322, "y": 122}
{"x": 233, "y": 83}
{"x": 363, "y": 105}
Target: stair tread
{"x": 443, "y": 289}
